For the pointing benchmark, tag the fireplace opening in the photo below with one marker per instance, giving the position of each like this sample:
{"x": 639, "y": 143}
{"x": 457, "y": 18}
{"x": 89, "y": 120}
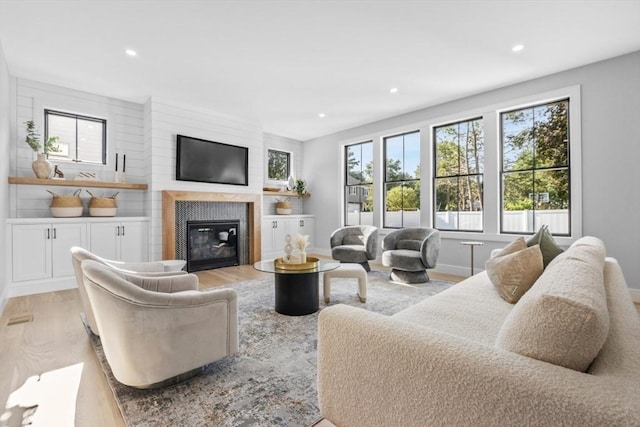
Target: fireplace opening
{"x": 212, "y": 244}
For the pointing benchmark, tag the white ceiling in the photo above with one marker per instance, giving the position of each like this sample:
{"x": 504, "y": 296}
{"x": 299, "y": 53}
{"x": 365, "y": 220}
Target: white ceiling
{"x": 281, "y": 63}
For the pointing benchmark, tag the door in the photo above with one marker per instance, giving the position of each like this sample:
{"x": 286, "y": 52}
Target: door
{"x": 31, "y": 251}
{"x": 63, "y": 238}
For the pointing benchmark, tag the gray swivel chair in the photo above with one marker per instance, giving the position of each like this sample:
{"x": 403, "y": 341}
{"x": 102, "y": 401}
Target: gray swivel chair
{"x": 409, "y": 252}
{"x": 355, "y": 244}
{"x": 159, "y": 330}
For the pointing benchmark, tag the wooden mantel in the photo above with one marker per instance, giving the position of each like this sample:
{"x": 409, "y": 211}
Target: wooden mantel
{"x": 169, "y": 199}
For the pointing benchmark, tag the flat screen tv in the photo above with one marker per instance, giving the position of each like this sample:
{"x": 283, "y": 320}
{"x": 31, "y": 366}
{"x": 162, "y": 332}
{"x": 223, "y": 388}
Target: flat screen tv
{"x": 209, "y": 161}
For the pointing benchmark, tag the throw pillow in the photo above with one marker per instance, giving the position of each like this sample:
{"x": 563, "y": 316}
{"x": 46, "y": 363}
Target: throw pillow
{"x": 547, "y": 243}
{"x": 513, "y": 274}
{"x": 515, "y": 246}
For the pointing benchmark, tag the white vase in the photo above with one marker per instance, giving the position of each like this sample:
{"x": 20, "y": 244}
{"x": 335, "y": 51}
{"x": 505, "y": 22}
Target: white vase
{"x": 303, "y": 257}
{"x": 42, "y": 167}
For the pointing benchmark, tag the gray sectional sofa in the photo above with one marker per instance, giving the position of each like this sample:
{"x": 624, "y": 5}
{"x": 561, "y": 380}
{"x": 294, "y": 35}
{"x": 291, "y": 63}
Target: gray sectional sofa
{"x": 567, "y": 353}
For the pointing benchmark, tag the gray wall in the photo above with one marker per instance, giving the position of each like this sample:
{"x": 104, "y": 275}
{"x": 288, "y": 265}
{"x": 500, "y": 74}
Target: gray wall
{"x": 5, "y": 139}
{"x": 610, "y": 128}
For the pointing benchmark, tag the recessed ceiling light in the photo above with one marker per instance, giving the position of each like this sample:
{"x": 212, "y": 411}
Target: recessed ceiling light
{"x": 517, "y": 48}
{"x": 322, "y": 115}
{"x": 131, "y": 52}
{"x": 393, "y": 90}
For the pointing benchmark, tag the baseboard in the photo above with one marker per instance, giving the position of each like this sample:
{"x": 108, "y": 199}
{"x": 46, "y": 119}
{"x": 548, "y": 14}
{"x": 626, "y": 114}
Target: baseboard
{"x": 456, "y": 270}
{"x": 41, "y": 286}
{"x": 3, "y": 299}
{"x": 635, "y": 295}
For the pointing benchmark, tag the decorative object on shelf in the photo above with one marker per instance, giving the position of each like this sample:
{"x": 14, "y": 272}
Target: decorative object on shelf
{"x": 86, "y": 176}
{"x": 66, "y": 206}
{"x": 291, "y": 183}
{"x": 301, "y": 187}
{"x": 41, "y": 166}
{"x": 57, "y": 173}
{"x": 271, "y": 188}
{"x": 121, "y": 176}
{"x": 102, "y": 206}
{"x": 283, "y": 207}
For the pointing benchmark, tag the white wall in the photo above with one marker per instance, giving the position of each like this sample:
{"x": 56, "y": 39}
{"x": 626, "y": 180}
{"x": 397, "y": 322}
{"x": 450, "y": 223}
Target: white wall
{"x": 6, "y": 135}
{"x": 296, "y": 149}
{"x": 610, "y": 129}
{"x": 124, "y": 136}
{"x": 162, "y": 122}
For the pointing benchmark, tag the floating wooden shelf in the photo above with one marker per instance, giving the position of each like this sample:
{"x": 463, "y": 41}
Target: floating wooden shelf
{"x": 72, "y": 183}
{"x": 284, "y": 193}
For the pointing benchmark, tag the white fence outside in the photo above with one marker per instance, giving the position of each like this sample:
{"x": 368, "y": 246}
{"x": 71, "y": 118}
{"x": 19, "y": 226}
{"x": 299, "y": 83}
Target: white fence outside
{"x": 514, "y": 221}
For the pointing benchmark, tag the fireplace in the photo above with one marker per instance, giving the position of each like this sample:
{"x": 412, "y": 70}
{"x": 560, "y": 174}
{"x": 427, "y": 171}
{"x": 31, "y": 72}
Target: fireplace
{"x": 212, "y": 244}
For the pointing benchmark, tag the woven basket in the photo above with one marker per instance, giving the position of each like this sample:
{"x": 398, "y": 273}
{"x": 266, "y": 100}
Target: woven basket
{"x": 102, "y": 202}
{"x": 72, "y": 201}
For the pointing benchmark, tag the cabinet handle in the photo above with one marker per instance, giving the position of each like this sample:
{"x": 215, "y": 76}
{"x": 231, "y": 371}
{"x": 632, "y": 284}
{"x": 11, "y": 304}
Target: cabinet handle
{"x": 118, "y": 230}
{"x": 54, "y": 233}
{"x": 123, "y": 230}
{"x": 48, "y": 233}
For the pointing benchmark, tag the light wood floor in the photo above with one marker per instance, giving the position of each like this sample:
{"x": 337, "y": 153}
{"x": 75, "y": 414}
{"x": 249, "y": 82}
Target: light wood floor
{"x": 48, "y": 360}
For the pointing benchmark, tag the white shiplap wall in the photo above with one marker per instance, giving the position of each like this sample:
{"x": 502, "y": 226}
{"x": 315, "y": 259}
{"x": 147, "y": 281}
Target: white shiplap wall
{"x": 163, "y": 121}
{"x": 124, "y": 136}
{"x": 6, "y": 136}
{"x": 295, "y": 148}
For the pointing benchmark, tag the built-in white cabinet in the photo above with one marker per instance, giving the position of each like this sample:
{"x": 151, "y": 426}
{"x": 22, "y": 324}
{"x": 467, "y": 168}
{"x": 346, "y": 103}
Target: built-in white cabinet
{"x": 121, "y": 241}
{"x": 39, "y": 256}
{"x": 41, "y": 251}
{"x": 276, "y": 227}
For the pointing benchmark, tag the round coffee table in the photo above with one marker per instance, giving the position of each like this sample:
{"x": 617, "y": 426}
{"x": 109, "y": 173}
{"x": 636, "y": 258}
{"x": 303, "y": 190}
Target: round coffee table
{"x": 297, "y": 291}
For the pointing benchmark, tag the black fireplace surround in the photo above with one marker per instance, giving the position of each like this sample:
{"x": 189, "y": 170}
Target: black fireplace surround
{"x": 212, "y": 244}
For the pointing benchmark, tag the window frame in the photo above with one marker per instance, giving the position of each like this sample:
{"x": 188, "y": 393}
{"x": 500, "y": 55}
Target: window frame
{"x": 434, "y": 174}
{"x": 502, "y": 172}
{"x": 289, "y": 165}
{"x": 103, "y": 122}
{"x": 347, "y": 188}
{"x": 400, "y": 182}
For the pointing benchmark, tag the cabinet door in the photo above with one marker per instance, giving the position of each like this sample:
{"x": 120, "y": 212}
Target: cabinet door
{"x": 133, "y": 242}
{"x": 281, "y": 229}
{"x": 104, "y": 239}
{"x": 307, "y": 226}
{"x": 31, "y": 252}
{"x": 63, "y": 238}
{"x": 268, "y": 226}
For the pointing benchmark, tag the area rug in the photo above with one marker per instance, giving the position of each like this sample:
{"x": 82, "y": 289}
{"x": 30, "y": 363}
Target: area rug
{"x": 272, "y": 379}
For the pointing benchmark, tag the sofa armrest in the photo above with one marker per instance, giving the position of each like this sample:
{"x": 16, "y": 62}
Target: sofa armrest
{"x": 430, "y": 249}
{"x": 377, "y": 370}
{"x": 336, "y": 237}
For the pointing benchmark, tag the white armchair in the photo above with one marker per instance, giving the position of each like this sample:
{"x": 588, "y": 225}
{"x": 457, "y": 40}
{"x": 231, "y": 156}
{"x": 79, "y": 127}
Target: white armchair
{"x": 78, "y": 254}
{"x": 153, "y": 338}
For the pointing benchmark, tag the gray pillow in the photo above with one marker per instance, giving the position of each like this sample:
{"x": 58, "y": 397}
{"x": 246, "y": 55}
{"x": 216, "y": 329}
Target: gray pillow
{"x": 547, "y": 243}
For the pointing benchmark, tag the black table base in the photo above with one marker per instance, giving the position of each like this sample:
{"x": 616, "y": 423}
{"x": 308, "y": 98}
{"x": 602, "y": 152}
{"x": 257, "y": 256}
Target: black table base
{"x": 297, "y": 294}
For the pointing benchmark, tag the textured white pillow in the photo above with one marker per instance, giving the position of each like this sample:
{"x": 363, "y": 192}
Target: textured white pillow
{"x": 515, "y": 269}
{"x": 563, "y": 319}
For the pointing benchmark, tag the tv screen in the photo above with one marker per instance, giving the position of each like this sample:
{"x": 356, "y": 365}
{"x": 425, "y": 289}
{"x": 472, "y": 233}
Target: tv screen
{"x": 208, "y": 161}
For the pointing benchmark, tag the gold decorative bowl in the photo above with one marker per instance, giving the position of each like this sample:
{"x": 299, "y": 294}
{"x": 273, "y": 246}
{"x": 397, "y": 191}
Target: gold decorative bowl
{"x": 312, "y": 263}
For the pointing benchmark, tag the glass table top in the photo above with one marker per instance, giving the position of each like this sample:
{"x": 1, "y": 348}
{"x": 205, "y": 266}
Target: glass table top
{"x": 268, "y": 266}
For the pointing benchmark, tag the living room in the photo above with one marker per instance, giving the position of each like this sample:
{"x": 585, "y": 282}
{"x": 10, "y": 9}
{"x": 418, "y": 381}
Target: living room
{"x": 605, "y": 133}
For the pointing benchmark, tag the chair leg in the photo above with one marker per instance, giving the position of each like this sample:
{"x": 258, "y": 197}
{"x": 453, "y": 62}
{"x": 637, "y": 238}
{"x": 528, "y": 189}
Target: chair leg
{"x": 409, "y": 277}
{"x": 365, "y": 265}
{"x": 362, "y": 289}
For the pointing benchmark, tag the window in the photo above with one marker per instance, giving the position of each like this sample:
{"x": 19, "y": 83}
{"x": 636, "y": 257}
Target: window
{"x": 279, "y": 167}
{"x": 458, "y": 182}
{"x": 402, "y": 180}
{"x": 535, "y": 168}
{"x": 81, "y": 138}
{"x": 359, "y": 184}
